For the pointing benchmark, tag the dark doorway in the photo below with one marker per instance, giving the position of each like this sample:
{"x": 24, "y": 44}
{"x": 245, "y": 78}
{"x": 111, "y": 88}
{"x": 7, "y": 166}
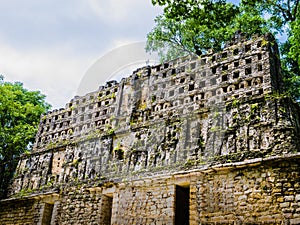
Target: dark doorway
{"x": 182, "y": 205}
{"x": 47, "y": 214}
{"x": 106, "y": 210}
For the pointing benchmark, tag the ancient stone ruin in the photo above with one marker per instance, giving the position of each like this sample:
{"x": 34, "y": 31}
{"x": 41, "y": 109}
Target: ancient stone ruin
{"x": 196, "y": 140}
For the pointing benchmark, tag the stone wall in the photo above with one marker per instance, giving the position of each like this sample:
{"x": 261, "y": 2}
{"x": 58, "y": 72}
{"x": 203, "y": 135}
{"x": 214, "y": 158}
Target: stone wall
{"x": 37, "y": 209}
{"x": 189, "y": 111}
{"x": 198, "y": 140}
{"x": 80, "y": 206}
{"x": 267, "y": 193}
{"x": 147, "y": 201}
{"x": 18, "y": 212}
{"x": 259, "y": 191}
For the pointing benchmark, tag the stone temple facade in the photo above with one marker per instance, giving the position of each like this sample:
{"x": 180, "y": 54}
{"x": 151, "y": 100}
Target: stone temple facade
{"x": 196, "y": 140}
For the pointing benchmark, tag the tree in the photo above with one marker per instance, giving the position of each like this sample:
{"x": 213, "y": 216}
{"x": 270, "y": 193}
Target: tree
{"x": 292, "y": 59}
{"x": 195, "y": 26}
{"x": 192, "y": 27}
{"x": 295, "y": 40}
{"x": 283, "y": 17}
{"x": 20, "y": 112}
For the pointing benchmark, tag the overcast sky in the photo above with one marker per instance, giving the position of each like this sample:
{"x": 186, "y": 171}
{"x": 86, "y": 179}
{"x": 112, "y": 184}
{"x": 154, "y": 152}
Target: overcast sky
{"x": 49, "y": 44}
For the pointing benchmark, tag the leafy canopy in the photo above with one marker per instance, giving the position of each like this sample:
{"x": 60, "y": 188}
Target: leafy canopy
{"x": 197, "y": 26}
{"x": 20, "y": 112}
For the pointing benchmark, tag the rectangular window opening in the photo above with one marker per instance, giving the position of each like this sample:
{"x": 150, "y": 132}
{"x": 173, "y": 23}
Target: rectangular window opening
{"x": 247, "y": 48}
{"x": 248, "y": 71}
{"x": 191, "y": 87}
{"x": 236, "y": 74}
{"x": 214, "y": 70}
{"x": 259, "y": 56}
{"x": 259, "y": 44}
{"x": 182, "y": 205}
{"x": 225, "y": 67}
{"x": 224, "y": 78}
{"x": 236, "y": 51}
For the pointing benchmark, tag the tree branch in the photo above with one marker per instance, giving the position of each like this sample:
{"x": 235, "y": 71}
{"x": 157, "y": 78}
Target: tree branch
{"x": 295, "y": 10}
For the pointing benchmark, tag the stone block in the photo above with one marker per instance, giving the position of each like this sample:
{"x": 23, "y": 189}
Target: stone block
{"x": 289, "y": 198}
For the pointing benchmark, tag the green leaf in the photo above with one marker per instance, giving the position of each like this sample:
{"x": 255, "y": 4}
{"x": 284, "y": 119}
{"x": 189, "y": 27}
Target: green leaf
{"x": 20, "y": 112}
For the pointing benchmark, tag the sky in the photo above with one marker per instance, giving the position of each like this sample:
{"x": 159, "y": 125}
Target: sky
{"x": 50, "y": 45}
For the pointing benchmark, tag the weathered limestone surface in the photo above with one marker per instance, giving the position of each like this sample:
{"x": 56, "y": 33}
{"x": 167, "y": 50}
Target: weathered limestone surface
{"x": 216, "y": 125}
{"x": 18, "y": 212}
{"x": 33, "y": 210}
{"x": 266, "y": 193}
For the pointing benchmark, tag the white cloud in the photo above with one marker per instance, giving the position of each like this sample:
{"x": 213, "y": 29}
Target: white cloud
{"x": 55, "y": 71}
{"x": 121, "y": 11}
{"x": 49, "y": 45}
{"x": 116, "y": 63}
